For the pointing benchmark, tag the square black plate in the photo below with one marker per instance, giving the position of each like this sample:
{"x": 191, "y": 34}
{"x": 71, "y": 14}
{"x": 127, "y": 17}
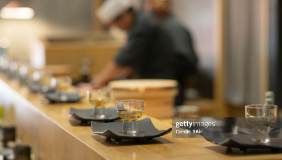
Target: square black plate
{"x": 241, "y": 141}
{"x": 6, "y": 152}
{"x": 35, "y": 87}
{"x": 56, "y": 97}
{"x": 146, "y": 130}
{"x": 274, "y": 132}
{"x": 88, "y": 114}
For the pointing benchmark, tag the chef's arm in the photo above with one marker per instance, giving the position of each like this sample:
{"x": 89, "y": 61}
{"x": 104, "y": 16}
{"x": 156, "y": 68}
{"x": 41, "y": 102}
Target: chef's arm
{"x": 109, "y": 72}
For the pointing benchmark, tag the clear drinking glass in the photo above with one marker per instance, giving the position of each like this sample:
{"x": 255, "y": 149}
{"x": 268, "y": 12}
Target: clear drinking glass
{"x": 42, "y": 76}
{"x": 98, "y": 99}
{"x": 5, "y": 64}
{"x": 24, "y": 70}
{"x": 61, "y": 84}
{"x": 130, "y": 111}
{"x": 13, "y": 66}
{"x": 261, "y": 117}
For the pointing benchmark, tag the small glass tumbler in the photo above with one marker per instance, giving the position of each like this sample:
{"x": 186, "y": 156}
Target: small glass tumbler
{"x": 130, "y": 111}
{"x": 98, "y": 99}
{"x": 13, "y": 66}
{"x": 41, "y": 76}
{"x": 24, "y": 70}
{"x": 5, "y": 63}
{"x": 61, "y": 84}
{"x": 261, "y": 117}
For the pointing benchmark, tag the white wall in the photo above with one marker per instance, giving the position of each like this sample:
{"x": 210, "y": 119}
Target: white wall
{"x": 199, "y": 17}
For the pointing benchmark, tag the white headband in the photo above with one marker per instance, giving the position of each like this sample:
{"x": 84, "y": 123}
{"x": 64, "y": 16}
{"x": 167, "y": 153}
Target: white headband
{"x": 111, "y": 9}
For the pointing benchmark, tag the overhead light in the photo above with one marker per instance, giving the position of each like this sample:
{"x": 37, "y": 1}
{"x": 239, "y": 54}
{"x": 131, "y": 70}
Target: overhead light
{"x": 14, "y": 10}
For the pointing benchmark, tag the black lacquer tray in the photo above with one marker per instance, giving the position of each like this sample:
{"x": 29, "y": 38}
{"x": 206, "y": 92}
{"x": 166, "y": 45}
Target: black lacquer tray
{"x": 274, "y": 132}
{"x": 85, "y": 115}
{"x": 58, "y": 97}
{"x": 11, "y": 74}
{"x": 241, "y": 141}
{"x": 22, "y": 79}
{"x": 37, "y": 87}
{"x": 6, "y": 152}
{"x": 146, "y": 130}
{"x": 16, "y": 75}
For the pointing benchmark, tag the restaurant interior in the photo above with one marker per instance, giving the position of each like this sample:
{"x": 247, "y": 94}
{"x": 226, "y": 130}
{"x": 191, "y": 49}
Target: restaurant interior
{"x": 53, "y": 54}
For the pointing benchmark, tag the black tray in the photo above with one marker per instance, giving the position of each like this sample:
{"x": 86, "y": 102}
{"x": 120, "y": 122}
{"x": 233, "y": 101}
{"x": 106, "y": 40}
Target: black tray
{"x": 37, "y": 87}
{"x": 274, "y": 132}
{"x": 6, "y": 152}
{"x": 11, "y": 74}
{"x": 55, "y": 97}
{"x": 17, "y": 76}
{"x": 146, "y": 130}
{"x": 21, "y": 79}
{"x": 241, "y": 141}
{"x": 85, "y": 115}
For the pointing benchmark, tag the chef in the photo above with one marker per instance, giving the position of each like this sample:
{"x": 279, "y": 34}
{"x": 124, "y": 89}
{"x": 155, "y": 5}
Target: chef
{"x": 182, "y": 43}
{"x": 148, "y": 51}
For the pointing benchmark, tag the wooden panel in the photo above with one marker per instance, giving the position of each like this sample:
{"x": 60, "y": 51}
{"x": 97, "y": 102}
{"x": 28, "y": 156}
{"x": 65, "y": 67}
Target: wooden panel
{"x": 219, "y": 82}
{"x": 264, "y": 49}
{"x": 99, "y": 54}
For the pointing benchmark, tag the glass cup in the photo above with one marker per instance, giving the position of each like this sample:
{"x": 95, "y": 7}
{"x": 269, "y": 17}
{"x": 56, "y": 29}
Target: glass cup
{"x": 261, "y": 117}
{"x": 13, "y": 66}
{"x": 130, "y": 111}
{"x": 5, "y": 64}
{"x": 61, "y": 84}
{"x": 24, "y": 70}
{"x": 98, "y": 99}
{"x": 42, "y": 76}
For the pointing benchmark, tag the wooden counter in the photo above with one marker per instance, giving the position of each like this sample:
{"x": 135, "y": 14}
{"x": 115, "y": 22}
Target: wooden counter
{"x": 54, "y": 136}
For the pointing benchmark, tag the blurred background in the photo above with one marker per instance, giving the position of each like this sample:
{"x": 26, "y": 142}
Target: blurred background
{"x": 236, "y": 41}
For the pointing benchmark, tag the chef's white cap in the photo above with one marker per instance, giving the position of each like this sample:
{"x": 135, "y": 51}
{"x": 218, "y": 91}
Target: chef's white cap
{"x": 111, "y": 9}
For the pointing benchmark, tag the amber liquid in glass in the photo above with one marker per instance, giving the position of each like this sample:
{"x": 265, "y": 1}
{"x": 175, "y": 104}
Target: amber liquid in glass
{"x": 99, "y": 103}
{"x": 130, "y": 115}
{"x": 62, "y": 87}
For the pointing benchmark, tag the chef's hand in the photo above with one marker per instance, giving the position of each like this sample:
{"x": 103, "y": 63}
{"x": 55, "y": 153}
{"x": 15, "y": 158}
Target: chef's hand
{"x": 97, "y": 83}
{"x": 83, "y": 85}
{"x": 110, "y": 72}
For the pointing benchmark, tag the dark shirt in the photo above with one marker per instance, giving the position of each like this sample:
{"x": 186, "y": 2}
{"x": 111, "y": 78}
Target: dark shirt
{"x": 186, "y": 60}
{"x": 149, "y": 50}
{"x": 182, "y": 44}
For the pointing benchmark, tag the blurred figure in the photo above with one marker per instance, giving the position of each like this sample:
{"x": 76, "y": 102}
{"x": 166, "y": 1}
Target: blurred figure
{"x": 148, "y": 51}
{"x": 182, "y": 43}
{"x": 159, "y": 7}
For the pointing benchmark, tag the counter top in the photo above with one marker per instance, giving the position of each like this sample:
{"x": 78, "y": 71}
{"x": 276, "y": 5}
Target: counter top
{"x": 77, "y": 141}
